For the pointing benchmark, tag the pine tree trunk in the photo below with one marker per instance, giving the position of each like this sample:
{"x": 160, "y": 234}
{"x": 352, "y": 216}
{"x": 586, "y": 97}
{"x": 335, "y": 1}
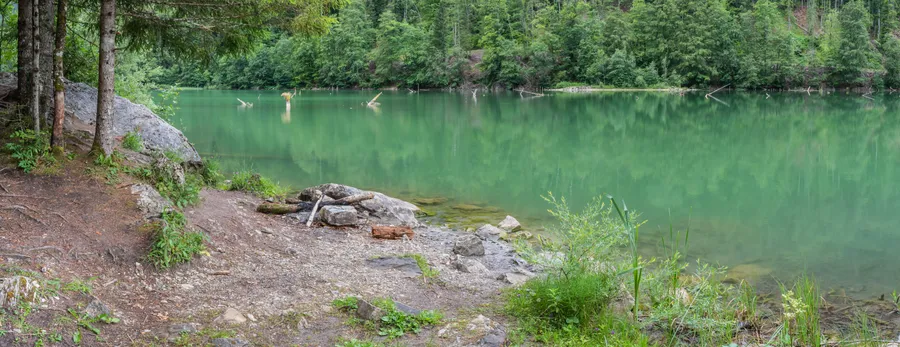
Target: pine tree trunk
{"x": 36, "y": 65}
{"x": 48, "y": 11}
{"x": 25, "y": 51}
{"x": 59, "y": 112}
{"x": 105, "y": 86}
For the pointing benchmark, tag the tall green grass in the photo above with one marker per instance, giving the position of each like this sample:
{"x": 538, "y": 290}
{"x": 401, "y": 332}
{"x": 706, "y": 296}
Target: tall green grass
{"x": 255, "y": 183}
{"x": 637, "y": 268}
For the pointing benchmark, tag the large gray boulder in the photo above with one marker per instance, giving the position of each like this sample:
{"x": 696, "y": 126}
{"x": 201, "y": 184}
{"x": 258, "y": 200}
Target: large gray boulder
{"x": 382, "y": 209}
{"x": 81, "y": 115}
{"x": 468, "y": 245}
{"x": 339, "y": 215}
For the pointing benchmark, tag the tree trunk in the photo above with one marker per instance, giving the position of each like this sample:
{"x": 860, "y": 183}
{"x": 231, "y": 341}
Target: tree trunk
{"x": 59, "y": 114}
{"x": 48, "y": 11}
{"x": 24, "y": 55}
{"x": 106, "y": 88}
{"x": 36, "y": 65}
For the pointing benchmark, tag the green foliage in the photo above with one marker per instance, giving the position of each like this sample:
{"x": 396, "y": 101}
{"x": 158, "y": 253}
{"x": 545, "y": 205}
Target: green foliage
{"x": 211, "y": 173}
{"x": 357, "y": 343}
{"x": 248, "y": 181}
{"x": 133, "y": 141}
{"x": 855, "y": 52}
{"x": 172, "y": 244}
{"x": 800, "y": 313}
{"x": 79, "y": 286}
{"x": 30, "y": 150}
{"x": 168, "y": 102}
{"x": 427, "y": 271}
{"x": 396, "y": 323}
{"x": 346, "y": 303}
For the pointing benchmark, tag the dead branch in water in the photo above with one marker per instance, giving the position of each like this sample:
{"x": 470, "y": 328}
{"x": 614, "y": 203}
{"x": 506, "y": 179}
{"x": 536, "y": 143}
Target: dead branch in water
{"x": 527, "y": 92}
{"x": 720, "y": 88}
{"x": 372, "y": 102}
{"x": 245, "y": 104}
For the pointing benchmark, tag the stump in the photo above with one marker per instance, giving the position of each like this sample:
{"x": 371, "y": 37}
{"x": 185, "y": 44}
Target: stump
{"x": 392, "y": 232}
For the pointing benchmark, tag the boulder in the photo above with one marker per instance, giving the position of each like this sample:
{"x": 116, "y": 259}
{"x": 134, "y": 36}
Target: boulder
{"x": 149, "y": 201}
{"x": 470, "y": 266}
{"x": 516, "y": 277}
{"x": 339, "y": 215}
{"x": 157, "y": 134}
{"x": 81, "y": 114}
{"x": 468, "y": 245}
{"x": 510, "y": 224}
{"x": 381, "y": 209}
{"x": 490, "y": 232}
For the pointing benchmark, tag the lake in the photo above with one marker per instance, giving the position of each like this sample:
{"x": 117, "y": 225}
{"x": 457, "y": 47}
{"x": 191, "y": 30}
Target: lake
{"x": 791, "y": 182}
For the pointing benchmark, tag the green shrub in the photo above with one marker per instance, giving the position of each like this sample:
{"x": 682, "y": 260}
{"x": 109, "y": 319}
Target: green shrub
{"x": 210, "y": 173}
{"x": 172, "y": 244}
{"x": 563, "y": 300}
{"x": 181, "y": 195}
{"x": 30, "y": 149}
{"x": 346, "y": 304}
{"x": 396, "y": 323}
{"x": 133, "y": 141}
{"x": 254, "y": 183}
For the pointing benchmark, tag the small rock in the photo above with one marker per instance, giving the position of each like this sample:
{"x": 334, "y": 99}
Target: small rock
{"x": 407, "y": 309}
{"x": 445, "y": 331}
{"x": 300, "y": 216}
{"x": 468, "y": 245}
{"x": 183, "y": 328}
{"x": 266, "y": 231}
{"x": 510, "y": 224}
{"x": 340, "y": 215}
{"x": 406, "y": 265}
{"x": 187, "y": 287}
{"x": 367, "y": 311}
{"x": 470, "y": 266}
{"x": 514, "y": 278}
{"x": 489, "y": 232}
{"x": 494, "y": 338}
{"x": 232, "y": 316}
{"x": 230, "y": 342}
{"x": 480, "y": 325}
{"x": 170, "y": 168}
{"x": 96, "y": 308}
{"x": 149, "y": 201}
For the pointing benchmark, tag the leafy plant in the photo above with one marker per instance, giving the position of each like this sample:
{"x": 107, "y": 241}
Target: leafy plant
{"x": 427, "y": 271}
{"x": 255, "y": 183}
{"x": 800, "y": 312}
{"x": 133, "y": 141}
{"x": 172, "y": 244}
{"x": 346, "y": 304}
{"x": 79, "y": 286}
{"x": 395, "y": 323}
{"x": 210, "y": 173}
{"x": 30, "y": 149}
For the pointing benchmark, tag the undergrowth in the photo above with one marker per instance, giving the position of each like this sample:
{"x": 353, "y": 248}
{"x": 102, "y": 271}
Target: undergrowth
{"x": 427, "y": 270}
{"x": 172, "y": 244}
{"x": 393, "y": 322}
{"x": 263, "y": 187}
{"x": 133, "y": 141}
{"x": 30, "y": 150}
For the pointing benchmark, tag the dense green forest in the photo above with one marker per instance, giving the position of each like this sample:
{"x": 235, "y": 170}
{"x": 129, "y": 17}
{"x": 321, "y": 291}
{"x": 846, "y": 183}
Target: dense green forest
{"x": 543, "y": 43}
{"x": 520, "y": 43}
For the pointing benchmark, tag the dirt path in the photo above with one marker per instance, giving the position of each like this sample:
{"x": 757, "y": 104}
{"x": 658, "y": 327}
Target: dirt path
{"x": 279, "y": 274}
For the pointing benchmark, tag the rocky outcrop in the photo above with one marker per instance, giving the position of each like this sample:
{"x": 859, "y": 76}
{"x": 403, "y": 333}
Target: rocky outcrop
{"x": 381, "y": 209}
{"x": 149, "y": 201}
{"x": 81, "y": 113}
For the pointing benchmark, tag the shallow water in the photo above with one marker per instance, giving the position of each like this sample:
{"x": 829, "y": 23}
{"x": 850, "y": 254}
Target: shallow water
{"x": 791, "y": 183}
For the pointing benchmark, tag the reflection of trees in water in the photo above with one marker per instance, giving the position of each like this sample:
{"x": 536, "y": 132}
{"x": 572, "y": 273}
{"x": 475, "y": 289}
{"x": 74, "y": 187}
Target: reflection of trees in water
{"x": 800, "y": 173}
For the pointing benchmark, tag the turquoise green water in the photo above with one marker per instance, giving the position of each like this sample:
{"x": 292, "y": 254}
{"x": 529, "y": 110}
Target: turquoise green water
{"x": 792, "y": 183}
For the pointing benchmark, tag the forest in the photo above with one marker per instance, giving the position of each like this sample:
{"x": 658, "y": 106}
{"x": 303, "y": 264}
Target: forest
{"x": 766, "y": 44}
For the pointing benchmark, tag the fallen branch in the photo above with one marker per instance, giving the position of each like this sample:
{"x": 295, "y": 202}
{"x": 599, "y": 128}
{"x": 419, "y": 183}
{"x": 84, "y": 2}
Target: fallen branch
{"x": 46, "y": 248}
{"x": 4, "y": 188}
{"x": 63, "y": 217}
{"x": 245, "y": 104}
{"x": 372, "y": 102}
{"x": 220, "y": 273}
{"x": 717, "y": 100}
{"x": 23, "y": 196}
{"x": 274, "y": 208}
{"x": 527, "y": 92}
{"x": 315, "y": 209}
{"x": 295, "y": 205}
{"x": 720, "y": 88}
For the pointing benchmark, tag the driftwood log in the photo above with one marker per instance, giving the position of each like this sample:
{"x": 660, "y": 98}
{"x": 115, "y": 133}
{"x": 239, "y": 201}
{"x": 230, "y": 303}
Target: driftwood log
{"x": 392, "y": 232}
{"x": 294, "y": 206}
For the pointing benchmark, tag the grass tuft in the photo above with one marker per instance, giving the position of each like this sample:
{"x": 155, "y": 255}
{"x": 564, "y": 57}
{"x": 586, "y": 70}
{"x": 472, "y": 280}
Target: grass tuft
{"x": 172, "y": 243}
{"x": 255, "y": 183}
{"x": 133, "y": 141}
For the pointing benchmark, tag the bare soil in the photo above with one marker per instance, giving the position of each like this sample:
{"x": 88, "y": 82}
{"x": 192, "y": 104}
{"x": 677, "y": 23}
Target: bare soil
{"x": 74, "y": 226}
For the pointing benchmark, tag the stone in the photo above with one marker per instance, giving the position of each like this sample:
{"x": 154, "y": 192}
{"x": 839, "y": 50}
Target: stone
{"x": 429, "y": 201}
{"x": 470, "y": 266}
{"x": 339, "y": 215}
{"x": 407, "y": 309}
{"x": 149, "y": 201}
{"x": 157, "y": 134}
{"x": 494, "y": 338}
{"x": 183, "y": 328}
{"x": 510, "y": 224}
{"x": 229, "y": 342}
{"x": 489, "y": 232}
{"x": 381, "y": 209}
{"x": 404, "y": 264}
{"x": 480, "y": 325}
{"x": 468, "y": 245}
{"x": 232, "y": 316}
{"x": 514, "y": 278}
{"x": 18, "y": 289}
{"x": 301, "y": 216}
{"x": 169, "y": 168}
{"x": 96, "y": 308}
{"x": 367, "y": 311}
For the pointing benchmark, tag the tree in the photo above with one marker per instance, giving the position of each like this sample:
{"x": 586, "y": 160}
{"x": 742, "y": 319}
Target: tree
{"x": 106, "y": 84}
{"x": 59, "y": 114}
{"x": 852, "y": 56}
{"x": 26, "y": 51}
{"x": 36, "y": 65}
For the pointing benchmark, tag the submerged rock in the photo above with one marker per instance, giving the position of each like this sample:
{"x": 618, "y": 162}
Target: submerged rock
{"x": 510, "y": 224}
{"x": 381, "y": 209}
{"x": 468, "y": 245}
{"x": 340, "y": 215}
